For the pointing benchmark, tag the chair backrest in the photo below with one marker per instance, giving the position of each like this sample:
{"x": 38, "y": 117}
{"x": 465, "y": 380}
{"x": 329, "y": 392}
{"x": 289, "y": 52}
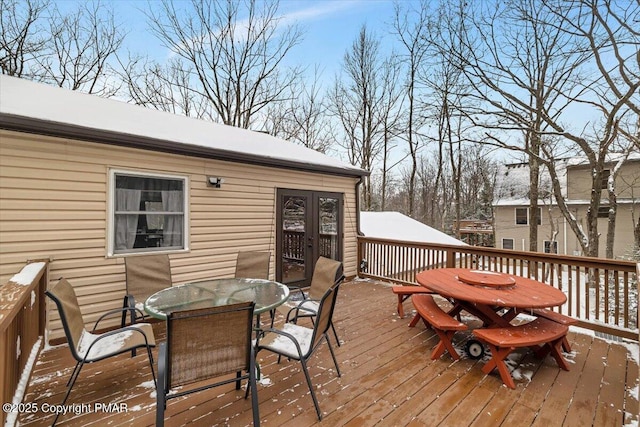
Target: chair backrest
{"x": 147, "y": 274}
{"x": 208, "y": 342}
{"x": 70, "y": 315}
{"x": 253, "y": 265}
{"x": 325, "y": 314}
{"x": 325, "y": 275}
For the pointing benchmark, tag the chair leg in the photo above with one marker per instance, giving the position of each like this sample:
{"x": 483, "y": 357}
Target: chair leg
{"x": 238, "y": 375}
{"x": 153, "y": 373}
{"x": 161, "y": 389}
{"x": 254, "y": 391}
{"x": 73, "y": 373}
{"x": 130, "y": 303}
{"x": 272, "y": 313}
{"x": 335, "y": 334}
{"x": 70, "y": 383}
{"x": 335, "y": 362}
{"x": 313, "y": 394}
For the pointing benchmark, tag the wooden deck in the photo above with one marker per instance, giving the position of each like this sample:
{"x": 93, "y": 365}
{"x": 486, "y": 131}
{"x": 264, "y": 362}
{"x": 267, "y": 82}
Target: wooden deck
{"x": 387, "y": 379}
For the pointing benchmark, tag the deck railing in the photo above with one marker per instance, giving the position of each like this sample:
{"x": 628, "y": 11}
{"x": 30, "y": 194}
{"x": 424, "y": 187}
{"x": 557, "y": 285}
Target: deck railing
{"x": 601, "y": 293}
{"x": 22, "y": 323}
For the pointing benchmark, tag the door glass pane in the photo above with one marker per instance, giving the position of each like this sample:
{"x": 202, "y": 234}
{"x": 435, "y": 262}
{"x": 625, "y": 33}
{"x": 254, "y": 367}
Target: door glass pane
{"x": 294, "y": 214}
{"x": 328, "y": 227}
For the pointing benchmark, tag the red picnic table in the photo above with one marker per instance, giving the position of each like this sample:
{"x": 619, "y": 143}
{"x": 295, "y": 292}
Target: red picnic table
{"x": 482, "y": 292}
{"x": 496, "y": 298}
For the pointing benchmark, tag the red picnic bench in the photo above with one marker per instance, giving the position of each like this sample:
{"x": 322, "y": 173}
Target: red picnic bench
{"x": 558, "y": 318}
{"x": 542, "y": 335}
{"x": 440, "y": 321}
{"x": 405, "y": 292}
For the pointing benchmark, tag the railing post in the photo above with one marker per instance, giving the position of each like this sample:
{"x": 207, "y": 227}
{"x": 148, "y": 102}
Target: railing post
{"x": 451, "y": 258}
{"x": 22, "y": 313}
{"x": 360, "y": 257}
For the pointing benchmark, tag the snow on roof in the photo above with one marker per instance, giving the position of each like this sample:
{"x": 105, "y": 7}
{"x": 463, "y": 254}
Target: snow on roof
{"x": 512, "y": 183}
{"x": 610, "y": 158}
{"x": 396, "y": 226}
{"x": 25, "y": 99}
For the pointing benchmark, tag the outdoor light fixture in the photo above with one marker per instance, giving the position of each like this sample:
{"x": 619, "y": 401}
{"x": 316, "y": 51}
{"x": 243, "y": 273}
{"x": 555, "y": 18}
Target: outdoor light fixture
{"x": 214, "y": 181}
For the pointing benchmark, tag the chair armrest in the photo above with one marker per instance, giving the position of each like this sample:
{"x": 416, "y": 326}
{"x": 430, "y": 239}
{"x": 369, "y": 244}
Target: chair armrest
{"x": 298, "y": 289}
{"x": 114, "y": 311}
{"x": 298, "y": 308}
{"x": 284, "y": 334}
{"x": 114, "y": 332}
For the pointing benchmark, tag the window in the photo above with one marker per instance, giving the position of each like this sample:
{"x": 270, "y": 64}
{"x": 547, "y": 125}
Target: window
{"x": 550, "y": 247}
{"x": 148, "y": 213}
{"x": 604, "y": 184}
{"x": 603, "y": 212}
{"x": 522, "y": 216}
{"x": 507, "y": 243}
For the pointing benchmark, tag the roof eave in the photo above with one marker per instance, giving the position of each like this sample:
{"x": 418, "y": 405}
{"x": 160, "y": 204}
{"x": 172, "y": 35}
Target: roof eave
{"x": 65, "y": 130}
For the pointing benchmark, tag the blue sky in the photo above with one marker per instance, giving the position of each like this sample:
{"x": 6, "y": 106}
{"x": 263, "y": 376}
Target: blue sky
{"x": 330, "y": 27}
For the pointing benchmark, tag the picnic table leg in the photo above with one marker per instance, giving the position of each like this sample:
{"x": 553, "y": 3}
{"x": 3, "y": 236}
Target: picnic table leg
{"x": 497, "y": 361}
{"x": 416, "y": 319}
{"x": 401, "y": 299}
{"x": 554, "y": 348}
{"x": 444, "y": 344}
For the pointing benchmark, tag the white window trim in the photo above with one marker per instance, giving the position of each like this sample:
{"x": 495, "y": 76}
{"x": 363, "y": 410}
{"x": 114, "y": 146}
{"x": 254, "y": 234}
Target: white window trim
{"x": 550, "y": 242}
{"x": 515, "y": 219}
{"x": 513, "y": 243}
{"x": 111, "y": 207}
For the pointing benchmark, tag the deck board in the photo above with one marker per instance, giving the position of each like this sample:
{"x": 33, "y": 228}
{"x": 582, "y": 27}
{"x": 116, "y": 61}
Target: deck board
{"x": 387, "y": 379}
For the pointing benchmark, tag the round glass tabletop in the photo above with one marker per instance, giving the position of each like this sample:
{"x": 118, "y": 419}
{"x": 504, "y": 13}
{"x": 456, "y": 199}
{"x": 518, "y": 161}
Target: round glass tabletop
{"x": 266, "y": 294}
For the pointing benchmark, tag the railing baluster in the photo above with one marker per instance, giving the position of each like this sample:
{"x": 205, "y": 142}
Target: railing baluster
{"x": 589, "y": 294}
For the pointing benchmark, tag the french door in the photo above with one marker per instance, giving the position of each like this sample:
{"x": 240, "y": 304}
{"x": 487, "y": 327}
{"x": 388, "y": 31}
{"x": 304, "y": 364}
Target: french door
{"x": 308, "y": 225}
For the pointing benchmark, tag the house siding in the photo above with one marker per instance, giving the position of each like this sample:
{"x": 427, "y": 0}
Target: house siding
{"x": 54, "y": 201}
{"x": 568, "y": 244}
{"x": 627, "y": 181}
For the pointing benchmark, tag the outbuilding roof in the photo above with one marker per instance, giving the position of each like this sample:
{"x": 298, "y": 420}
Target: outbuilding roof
{"x": 27, "y": 106}
{"x": 397, "y": 226}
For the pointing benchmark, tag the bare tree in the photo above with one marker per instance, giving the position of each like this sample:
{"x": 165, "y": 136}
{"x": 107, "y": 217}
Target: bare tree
{"x": 21, "y": 37}
{"x": 523, "y": 65}
{"x": 236, "y": 64}
{"x": 446, "y": 97}
{"x": 303, "y": 119}
{"x": 358, "y": 102}
{"x": 82, "y": 43}
{"x": 522, "y": 70}
{"x": 410, "y": 27}
{"x": 164, "y": 87}
{"x": 613, "y": 92}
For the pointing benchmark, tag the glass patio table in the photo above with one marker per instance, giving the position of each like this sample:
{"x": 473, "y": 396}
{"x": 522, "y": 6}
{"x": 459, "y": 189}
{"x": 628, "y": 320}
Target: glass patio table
{"x": 266, "y": 294}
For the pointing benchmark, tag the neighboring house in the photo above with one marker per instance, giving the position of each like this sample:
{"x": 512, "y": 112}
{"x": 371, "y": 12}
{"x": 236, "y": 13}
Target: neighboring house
{"x": 476, "y": 232}
{"x": 396, "y": 226}
{"x": 87, "y": 181}
{"x": 511, "y": 207}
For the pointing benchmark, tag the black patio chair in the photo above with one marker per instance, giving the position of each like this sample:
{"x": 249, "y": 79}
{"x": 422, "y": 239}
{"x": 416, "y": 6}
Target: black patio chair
{"x": 300, "y": 343}
{"x": 204, "y": 344}
{"x": 89, "y": 347}
{"x": 326, "y": 274}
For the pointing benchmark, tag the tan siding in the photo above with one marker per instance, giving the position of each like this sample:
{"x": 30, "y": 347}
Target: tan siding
{"x": 54, "y": 205}
{"x": 627, "y": 181}
{"x": 569, "y": 245}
